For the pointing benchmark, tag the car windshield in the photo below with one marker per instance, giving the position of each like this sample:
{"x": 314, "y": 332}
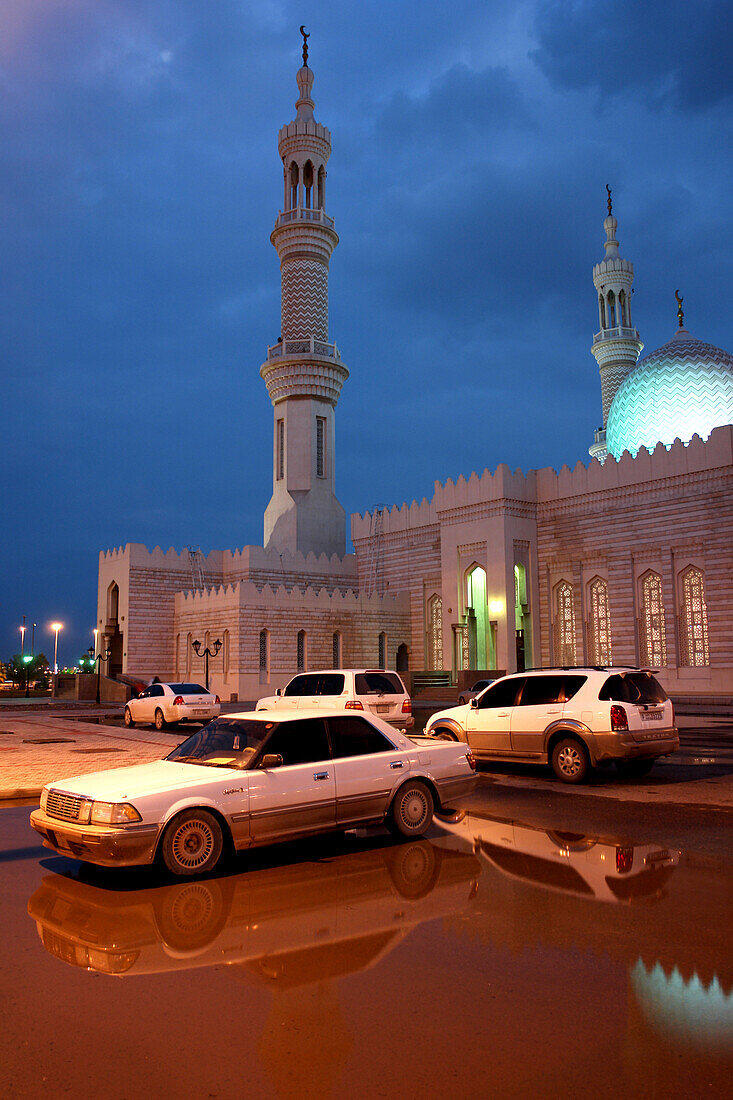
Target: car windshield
{"x": 224, "y": 743}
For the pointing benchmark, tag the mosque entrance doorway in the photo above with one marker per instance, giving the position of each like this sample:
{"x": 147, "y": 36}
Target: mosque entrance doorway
{"x": 522, "y": 619}
{"x": 112, "y": 634}
{"x": 476, "y": 617}
{"x": 403, "y": 658}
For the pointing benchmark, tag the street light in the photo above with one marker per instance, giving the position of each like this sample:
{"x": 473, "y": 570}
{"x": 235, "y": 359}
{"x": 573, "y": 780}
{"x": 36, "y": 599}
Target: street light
{"x": 206, "y": 653}
{"x": 22, "y": 638}
{"x": 96, "y": 632}
{"x": 56, "y": 627}
{"x": 98, "y": 659}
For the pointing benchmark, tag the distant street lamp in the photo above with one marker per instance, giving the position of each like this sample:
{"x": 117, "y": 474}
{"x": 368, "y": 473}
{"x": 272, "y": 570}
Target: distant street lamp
{"x": 56, "y": 627}
{"x": 22, "y": 638}
{"x": 96, "y": 632}
{"x": 206, "y": 653}
{"x": 33, "y": 640}
{"x": 27, "y": 659}
{"x": 98, "y": 660}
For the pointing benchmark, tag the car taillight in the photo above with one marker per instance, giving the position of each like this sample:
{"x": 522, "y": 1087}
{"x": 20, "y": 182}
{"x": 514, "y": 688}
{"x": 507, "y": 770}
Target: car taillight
{"x": 624, "y": 860}
{"x": 407, "y": 706}
{"x": 217, "y": 700}
{"x": 353, "y": 704}
{"x": 178, "y": 701}
{"x": 619, "y": 721}
{"x": 471, "y": 760}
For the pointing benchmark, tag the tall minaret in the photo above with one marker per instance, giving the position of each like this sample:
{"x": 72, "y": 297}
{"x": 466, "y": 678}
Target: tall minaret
{"x": 303, "y": 371}
{"x": 617, "y": 346}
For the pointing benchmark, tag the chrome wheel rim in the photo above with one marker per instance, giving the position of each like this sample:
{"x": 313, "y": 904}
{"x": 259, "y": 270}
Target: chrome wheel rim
{"x": 193, "y": 844}
{"x": 192, "y": 908}
{"x": 569, "y": 760}
{"x": 414, "y": 809}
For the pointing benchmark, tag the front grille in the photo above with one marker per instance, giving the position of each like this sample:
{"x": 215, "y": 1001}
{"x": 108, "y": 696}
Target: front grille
{"x": 64, "y": 806}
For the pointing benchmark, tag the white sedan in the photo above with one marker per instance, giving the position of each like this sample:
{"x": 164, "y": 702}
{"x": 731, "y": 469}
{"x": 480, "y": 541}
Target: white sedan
{"x": 252, "y": 779}
{"x": 164, "y": 705}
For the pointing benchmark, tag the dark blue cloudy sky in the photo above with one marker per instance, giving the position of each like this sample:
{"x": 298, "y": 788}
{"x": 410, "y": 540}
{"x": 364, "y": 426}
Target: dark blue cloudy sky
{"x": 472, "y": 141}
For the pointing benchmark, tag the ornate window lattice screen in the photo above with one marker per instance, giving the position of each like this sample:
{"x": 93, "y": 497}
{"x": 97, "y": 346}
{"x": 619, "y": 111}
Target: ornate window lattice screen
{"x": 652, "y": 640}
{"x": 694, "y": 624}
{"x": 337, "y": 650}
{"x": 599, "y": 635}
{"x": 564, "y": 624}
{"x": 435, "y": 632}
{"x": 382, "y": 650}
{"x": 264, "y": 648}
{"x": 280, "y": 450}
{"x": 189, "y": 647}
{"x": 225, "y": 655}
{"x": 320, "y": 446}
{"x": 301, "y": 650}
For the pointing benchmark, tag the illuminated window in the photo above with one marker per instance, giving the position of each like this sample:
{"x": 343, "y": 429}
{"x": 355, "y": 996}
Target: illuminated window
{"x": 264, "y": 656}
{"x": 599, "y": 632}
{"x": 225, "y": 654}
{"x": 564, "y": 624}
{"x": 435, "y": 632}
{"x": 280, "y": 450}
{"x": 189, "y": 650}
{"x": 652, "y": 635}
{"x": 320, "y": 446}
{"x": 178, "y": 651}
{"x": 301, "y": 650}
{"x": 382, "y": 650}
{"x": 694, "y": 620}
{"x": 337, "y": 649}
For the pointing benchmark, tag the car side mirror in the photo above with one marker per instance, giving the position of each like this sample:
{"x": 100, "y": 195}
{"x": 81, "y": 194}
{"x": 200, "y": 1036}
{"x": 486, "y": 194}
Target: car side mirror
{"x": 279, "y": 691}
{"x": 271, "y": 760}
{"x": 474, "y": 703}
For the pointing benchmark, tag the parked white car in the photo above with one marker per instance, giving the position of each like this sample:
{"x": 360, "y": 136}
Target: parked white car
{"x": 252, "y": 779}
{"x": 571, "y": 718}
{"x": 164, "y": 705}
{"x": 373, "y": 690}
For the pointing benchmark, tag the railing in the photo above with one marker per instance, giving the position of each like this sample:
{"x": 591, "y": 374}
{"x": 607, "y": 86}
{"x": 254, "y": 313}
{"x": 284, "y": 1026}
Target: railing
{"x": 309, "y": 346}
{"x": 615, "y": 333}
{"x": 303, "y": 214}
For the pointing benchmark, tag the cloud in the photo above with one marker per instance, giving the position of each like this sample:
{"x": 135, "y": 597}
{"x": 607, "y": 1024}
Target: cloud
{"x": 677, "y": 54}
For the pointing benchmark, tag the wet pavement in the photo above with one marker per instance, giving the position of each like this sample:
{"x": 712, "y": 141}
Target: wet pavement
{"x": 535, "y": 947}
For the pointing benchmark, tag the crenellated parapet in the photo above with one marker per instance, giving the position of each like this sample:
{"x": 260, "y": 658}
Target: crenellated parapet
{"x": 249, "y": 595}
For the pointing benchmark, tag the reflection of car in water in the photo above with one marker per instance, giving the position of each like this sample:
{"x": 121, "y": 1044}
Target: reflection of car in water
{"x": 572, "y": 863}
{"x": 318, "y": 919}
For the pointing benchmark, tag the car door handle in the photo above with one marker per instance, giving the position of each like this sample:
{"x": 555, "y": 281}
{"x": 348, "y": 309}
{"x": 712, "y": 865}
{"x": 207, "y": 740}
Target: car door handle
{"x": 502, "y": 714}
{"x": 396, "y": 764}
{"x": 320, "y": 775}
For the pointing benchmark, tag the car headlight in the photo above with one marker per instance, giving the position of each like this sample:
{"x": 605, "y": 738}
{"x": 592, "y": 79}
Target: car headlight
{"x": 44, "y": 798}
{"x": 113, "y": 813}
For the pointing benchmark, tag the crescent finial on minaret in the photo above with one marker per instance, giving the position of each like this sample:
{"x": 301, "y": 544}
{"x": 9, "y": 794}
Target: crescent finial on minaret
{"x": 305, "y": 44}
{"x": 680, "y": 314}
{"x": 608, "y": 189}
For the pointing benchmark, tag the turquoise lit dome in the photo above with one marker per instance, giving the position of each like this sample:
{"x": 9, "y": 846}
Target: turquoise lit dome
{"x": 684, "y": 388}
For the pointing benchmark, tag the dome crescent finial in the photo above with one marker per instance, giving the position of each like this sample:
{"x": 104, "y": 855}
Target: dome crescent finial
{"x": 680, "y": 313}
{"x": 305, "y": 43}
{"x": 610, "y": 209}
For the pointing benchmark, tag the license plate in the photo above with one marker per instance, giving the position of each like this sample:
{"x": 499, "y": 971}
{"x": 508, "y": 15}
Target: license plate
{"x": 652, "y": 715}
{"x": 200, "y": 712}
{"x": 382, "y": 708}
{"x": 658, "y": 857}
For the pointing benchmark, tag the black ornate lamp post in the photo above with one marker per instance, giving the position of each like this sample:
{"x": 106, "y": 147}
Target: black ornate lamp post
{"x": 206, "y": 653}
{"x": 99, "y": 658}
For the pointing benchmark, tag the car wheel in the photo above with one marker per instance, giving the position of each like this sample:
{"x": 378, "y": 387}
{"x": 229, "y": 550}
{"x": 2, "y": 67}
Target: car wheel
{"x": 461, "y": 700}
{"x": 160, "y": 722}
{"x": 635, "y": 769}
{"x": 411, "y": 811}
{"x": 570, "y": 760}
{"x": 414, "y": 868}
{"x": 191, "y": 915}
{"x": 129, "y": 722}
{"x": 192, "y": 843}
{"x": 444, "y": 735}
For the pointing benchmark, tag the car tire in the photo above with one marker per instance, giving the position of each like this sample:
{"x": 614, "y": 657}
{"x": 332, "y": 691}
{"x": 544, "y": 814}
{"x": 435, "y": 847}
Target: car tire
{"x": 129, "y": 720}
{"x": 442, "y": 734}
{"x": 412, "y": 810}
{"x": 192, "y": 843}
{"x": 191, "y": 915}
{"x": 570, "y": 760}
{"x": 414, "y": 868}
{"x": 635, "y": 769}
{"x": 461, "y": 700}
{"x": 159, "y": 720}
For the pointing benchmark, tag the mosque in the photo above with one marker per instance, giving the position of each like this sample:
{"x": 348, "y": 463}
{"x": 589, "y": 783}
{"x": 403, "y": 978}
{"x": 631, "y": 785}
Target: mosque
{"x": 625, "y": 561}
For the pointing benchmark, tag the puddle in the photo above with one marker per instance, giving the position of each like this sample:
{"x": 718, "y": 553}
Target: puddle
{"x": 97, "y": 752}
{"x": 49, "y": 741}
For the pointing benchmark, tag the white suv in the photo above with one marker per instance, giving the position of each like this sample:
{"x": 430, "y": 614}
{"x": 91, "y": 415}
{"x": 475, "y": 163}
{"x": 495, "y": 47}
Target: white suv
{"x": 370, "y": 689}
{"x": 571, "y": 718}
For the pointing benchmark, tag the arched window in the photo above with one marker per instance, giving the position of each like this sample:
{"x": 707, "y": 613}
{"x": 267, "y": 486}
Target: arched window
{"x": 225, "y": 654}
{"x": 293, "y": 185}
{"x": 477, "y": 618}
{"x": 113, "y": 603}
{"x": 178, "y": 654}
{"x": 611, "y": 300}
{"x": 382, "y": 650}
{"x": 264, "y": 656}
{"x": 435, "y": 632}
{"x": 337, "y": 649}
{"x": 321, "y": 187}
{"x": 694, "y": 620}
{"x": 301, "y": 651}
{"x": 189, "y": 655}
{"x": 602, "y": 311}
{"x": 308, "y": 184}
{"x": 402, "y": 661}
{"x": 564, "y": 624}
{"x": 652, "y": 631}
{"x": 622, "y": 311}
{"x": 599, "y": 624}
